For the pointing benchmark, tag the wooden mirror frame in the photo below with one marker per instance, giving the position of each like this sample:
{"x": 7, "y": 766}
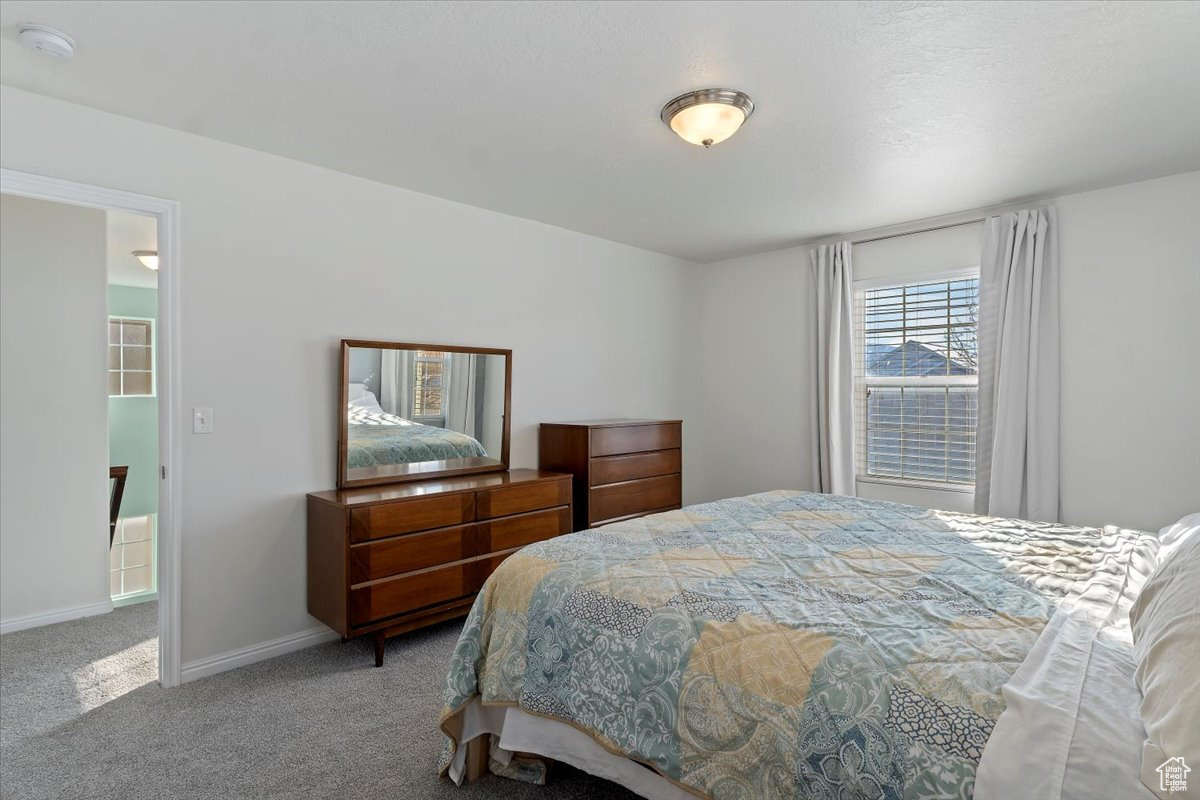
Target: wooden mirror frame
{"x": 421, "y": 470}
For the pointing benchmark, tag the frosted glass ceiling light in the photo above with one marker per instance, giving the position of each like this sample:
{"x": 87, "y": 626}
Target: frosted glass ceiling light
{"x": 707, "y": 116}
{"x": 149, "y": 258}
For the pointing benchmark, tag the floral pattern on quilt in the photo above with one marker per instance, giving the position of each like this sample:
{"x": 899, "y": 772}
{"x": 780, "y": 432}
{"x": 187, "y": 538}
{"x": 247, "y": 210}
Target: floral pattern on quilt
{"x": 785, "y": 644}
{"x": 381, "y": 445}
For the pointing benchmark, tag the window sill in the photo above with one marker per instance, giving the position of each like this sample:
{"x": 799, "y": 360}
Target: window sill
{"x": 933, "y": 486}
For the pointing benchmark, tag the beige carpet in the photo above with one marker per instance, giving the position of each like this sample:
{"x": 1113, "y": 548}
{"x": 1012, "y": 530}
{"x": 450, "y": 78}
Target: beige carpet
{"x": 81, "y": 716}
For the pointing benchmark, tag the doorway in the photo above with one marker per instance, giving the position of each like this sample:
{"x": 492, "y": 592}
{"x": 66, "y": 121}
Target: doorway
{"x": 132, "y": 335}
{"x": 150, "y": 537}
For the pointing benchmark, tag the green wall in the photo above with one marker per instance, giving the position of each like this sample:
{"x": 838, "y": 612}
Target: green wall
{"x": 133, "y": 421}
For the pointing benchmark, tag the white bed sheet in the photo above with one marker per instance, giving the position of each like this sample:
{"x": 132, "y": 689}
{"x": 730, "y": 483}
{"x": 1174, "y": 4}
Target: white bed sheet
{"x": 1071, "y": 727}
{"x": 520, "y": 732}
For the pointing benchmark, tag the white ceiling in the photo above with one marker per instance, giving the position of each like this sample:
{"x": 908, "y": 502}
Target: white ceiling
{"x": 868, "y": 113}
{"x": 126, "y": 233}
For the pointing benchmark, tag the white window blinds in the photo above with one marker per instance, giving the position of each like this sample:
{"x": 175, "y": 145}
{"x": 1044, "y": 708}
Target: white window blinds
{"x": 916, "y": 381}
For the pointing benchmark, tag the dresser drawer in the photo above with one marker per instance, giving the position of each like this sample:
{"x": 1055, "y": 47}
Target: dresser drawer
{"x": 490, "y": 564}
{"x": 390, "y": 519}
{"x": 613, "y": 469}
{"x": 414, "y": 551}
{"x": 633, "y": 497}
{"x": 408, "y": 592}
{"x": 505, "y": 500}
{"x": 523, "y": 529}
{"x": 635, "y": 438}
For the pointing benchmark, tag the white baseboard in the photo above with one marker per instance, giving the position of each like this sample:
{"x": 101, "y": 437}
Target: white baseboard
{"x": 134, "y": 599}
{"x": 204, "y": 667}
{"x": 51, "y": 617}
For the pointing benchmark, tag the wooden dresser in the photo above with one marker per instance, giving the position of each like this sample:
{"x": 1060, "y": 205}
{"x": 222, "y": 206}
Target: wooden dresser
{"x": 623, "y": 468}
{"x": 385, "y": 560}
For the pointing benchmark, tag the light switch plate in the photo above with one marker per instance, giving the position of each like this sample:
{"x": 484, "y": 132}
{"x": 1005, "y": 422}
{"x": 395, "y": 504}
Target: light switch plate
{"x": 202, "y": 419}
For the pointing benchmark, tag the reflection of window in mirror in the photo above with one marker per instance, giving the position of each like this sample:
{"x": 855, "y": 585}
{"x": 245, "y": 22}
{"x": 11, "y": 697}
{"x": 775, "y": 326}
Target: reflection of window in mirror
{"x": 430, "y": 378}
{"x": 130, "y": 357}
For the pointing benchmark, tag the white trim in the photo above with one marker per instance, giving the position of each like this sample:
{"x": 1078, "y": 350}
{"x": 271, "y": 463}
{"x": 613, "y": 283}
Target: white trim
{"x": 51, "y": 617}
{"x": 895, "y": 281}
{"x": 134, "y": 599}
{"x": 910, "y": 483}
{"x": 211, "y": 665}
{"x": 169, "y": 380}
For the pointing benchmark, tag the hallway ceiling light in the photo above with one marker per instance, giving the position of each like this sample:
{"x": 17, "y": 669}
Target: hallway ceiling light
{"x": 149, "y": 258}
{"x": 707, "y": 116}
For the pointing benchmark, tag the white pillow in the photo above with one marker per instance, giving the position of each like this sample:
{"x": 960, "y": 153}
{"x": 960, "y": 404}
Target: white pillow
{"x": 355, "y": 390}
{"x": 366, "y": 402}
{"x": 1166, "y": 646}
{"x": 1172, "y": 536}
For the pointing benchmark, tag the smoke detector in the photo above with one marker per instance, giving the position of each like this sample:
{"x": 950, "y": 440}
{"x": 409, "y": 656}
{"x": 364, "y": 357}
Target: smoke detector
{"x": 47, "y": 41}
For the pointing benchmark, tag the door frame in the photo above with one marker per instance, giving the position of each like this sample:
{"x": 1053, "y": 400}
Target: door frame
{"x": 170, "y": 395}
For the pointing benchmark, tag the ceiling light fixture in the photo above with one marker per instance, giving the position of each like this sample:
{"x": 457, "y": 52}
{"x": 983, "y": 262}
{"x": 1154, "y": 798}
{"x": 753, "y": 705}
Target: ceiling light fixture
{"x": 707, "y": 116}
{"x": 149, "y": 258}
{"x": 46, "y": 41}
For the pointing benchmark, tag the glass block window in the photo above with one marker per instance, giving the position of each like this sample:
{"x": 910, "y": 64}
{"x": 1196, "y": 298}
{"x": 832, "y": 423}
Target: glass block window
{"x": 131, "y": 559}
{"x": 130, "y": 357}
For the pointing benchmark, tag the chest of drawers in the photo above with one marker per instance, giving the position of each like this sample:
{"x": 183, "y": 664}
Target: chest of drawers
{"x": 385, "y": 560}
{"x": 623, "y": 468}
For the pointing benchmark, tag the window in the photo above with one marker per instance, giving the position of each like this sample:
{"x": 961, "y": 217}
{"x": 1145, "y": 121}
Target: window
{"x": 429, "y": 385}
{"x": 916, "y": 381}
{"x": 130, "y": 357}
{"x": 131, "y": 558}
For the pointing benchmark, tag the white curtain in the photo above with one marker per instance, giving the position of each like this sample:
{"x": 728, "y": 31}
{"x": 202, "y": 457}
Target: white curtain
{"x": 461, "y": 407}
{"x": 833, "y": 389}
{"x": 1016, "y": 457}
{"x": 395, "y": 382}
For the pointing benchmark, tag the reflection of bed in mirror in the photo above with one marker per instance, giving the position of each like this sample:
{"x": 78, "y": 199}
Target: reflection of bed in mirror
{"x": 417, "y": 411}
{"x": 376, "y": 438}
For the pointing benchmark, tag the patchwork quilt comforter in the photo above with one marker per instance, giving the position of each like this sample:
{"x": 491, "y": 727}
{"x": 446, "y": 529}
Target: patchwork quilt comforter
{"x": 784, "y": 644}
{"x": 380, "y": 445}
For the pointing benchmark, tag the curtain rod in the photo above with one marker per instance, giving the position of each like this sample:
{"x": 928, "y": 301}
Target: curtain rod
{"x": 920, "y": 230}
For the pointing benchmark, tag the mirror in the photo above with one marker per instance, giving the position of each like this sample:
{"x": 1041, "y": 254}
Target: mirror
{"x": 415, "y": 411}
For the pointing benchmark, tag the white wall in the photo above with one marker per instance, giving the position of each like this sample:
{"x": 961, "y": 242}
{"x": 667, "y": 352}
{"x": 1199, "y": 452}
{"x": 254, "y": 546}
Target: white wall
{"x": 749, "y": 421}
{"x": 281, "y": 260}
{"x": 1130, "y": 260}
{"x": 54, "y": 428}
{"x": 1131, "y": 352}
{"x": 932, "y": 251}
{"x": 492, "y": 435}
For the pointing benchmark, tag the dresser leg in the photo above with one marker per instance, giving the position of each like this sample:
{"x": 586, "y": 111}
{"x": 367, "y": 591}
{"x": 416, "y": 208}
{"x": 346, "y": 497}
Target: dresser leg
{"x": 380, "y": 639}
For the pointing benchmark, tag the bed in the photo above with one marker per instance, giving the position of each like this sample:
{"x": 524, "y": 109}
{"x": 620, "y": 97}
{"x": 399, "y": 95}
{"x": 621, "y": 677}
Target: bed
{"x": 790, "y": 644}
{"x": 376, "y": 438}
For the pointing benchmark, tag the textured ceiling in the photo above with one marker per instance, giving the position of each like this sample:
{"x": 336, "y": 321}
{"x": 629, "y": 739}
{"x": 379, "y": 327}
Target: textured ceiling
{"x": 867, "y": 113}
